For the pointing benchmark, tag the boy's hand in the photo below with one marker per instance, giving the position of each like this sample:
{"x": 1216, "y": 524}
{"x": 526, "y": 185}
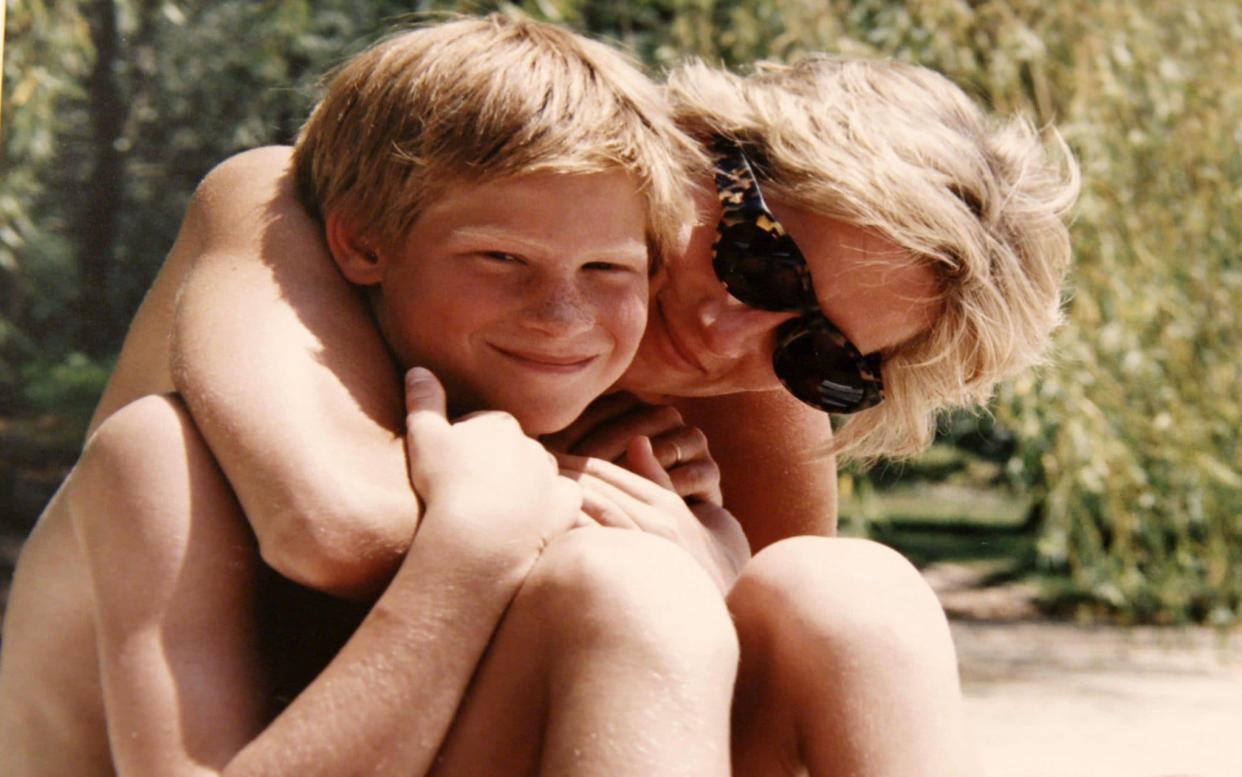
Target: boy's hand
{"x": 606, "y": 429}
{"x": 484, "y": 471}
{"x": 642, "y": 500}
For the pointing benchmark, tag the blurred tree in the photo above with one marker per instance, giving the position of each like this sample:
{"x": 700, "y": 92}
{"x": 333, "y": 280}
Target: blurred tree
{"x": 33, "y": 242}
{"x": 104, "y": 142}
{"x": 101, "y": 206}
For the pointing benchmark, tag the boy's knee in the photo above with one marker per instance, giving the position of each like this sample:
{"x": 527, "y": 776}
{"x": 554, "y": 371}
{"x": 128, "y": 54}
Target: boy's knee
{"x": 134, "y": 445}
{"x": 836, "y": 594}
{"x": 621, "y": 588}
{"x": 134, "y": 435}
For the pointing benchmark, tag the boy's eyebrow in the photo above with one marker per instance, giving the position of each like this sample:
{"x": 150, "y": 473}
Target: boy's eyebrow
{"x": 628, "y": 248}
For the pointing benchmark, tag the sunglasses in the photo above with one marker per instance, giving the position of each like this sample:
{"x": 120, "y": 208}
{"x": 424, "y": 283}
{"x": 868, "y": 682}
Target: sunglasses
{"x": 761, "y": 266}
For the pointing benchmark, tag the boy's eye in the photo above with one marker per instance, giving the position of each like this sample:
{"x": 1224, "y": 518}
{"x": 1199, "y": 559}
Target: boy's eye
{"x": 608, "y": 266}
{"x": 501, "y": 257}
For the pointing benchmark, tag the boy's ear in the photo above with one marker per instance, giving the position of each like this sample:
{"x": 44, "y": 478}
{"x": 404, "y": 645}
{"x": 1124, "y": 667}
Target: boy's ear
{"x": 359, "y": 260}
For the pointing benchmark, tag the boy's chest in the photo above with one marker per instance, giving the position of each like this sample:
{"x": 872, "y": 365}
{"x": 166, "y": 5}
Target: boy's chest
{"x": 301, "y": 631}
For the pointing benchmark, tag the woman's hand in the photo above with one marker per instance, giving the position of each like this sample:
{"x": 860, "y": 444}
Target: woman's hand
{"x": 607, "y": 428}
{"x": 643, "y": 500}
{"x": 483, "y": 471}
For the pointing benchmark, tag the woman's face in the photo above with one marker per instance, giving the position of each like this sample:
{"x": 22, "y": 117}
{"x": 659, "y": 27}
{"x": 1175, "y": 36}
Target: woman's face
{"x": 700, "y": 341}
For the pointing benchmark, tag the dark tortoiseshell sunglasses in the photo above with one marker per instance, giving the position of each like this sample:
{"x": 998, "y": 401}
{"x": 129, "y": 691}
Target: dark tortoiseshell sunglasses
{"x": 761, "y": 266}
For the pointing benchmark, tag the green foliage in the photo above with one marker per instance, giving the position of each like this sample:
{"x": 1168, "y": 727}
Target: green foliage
{"x": 33, "y": 86}
{"x": 1127, "y": 443}
{"x": 1133, "y": 438}
{"x": 68, "y": 388}
{"x": 196, "y": 81}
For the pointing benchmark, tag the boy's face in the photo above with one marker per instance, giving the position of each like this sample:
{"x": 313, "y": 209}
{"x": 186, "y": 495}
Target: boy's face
{"x": 527, "y": 294}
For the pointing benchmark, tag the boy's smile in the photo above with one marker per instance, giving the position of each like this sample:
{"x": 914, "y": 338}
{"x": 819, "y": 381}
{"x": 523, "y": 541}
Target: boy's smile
{"x": 527, "y": 294}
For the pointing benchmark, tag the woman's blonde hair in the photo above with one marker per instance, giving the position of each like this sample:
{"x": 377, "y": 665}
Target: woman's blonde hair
{"x": 902, "y": 150}
{"x": 478, "y": 99}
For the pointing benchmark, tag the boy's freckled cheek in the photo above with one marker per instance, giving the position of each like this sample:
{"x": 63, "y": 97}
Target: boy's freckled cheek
{"x": 634, "y": 318}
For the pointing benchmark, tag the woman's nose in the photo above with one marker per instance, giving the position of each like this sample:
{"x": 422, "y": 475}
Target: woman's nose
{"x": 732, "y": 328}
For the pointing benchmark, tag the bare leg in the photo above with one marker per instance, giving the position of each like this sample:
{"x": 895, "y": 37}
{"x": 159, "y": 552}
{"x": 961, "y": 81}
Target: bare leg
{"x": 51, "y": 705}
{"x": 173, "y": 568}
{"x": 847, "y": 666}
{"x": 617, "y": 657}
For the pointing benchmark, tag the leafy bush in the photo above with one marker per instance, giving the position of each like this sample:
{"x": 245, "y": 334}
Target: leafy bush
{"x": 1132, "y": 437}
{"x": 68, "y": 388}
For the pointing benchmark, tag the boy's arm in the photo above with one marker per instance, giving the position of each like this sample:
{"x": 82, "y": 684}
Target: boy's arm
{"x": 383, "y": 706}
{"x": 283, "y": 370}
{"x": 175, "y": 597}
{"x": 387, "y": 700}
{"x": 775, "y": 477}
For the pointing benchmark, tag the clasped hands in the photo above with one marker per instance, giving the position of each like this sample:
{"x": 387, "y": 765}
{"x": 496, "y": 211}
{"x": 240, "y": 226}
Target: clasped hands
{"x": 623, "y": 464}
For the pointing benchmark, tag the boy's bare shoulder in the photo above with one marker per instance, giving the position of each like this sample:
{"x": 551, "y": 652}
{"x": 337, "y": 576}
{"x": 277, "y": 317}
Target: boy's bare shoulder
{"x": 259, "y": 172}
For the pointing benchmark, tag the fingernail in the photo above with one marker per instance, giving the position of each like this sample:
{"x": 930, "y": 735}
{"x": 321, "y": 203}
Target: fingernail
{"x": 417, "y": 374}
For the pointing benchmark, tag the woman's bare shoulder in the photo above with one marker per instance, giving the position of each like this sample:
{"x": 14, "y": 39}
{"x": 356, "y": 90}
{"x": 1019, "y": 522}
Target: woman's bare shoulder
{"x": 242, "y": 195}
{"x": 256, "y": 167}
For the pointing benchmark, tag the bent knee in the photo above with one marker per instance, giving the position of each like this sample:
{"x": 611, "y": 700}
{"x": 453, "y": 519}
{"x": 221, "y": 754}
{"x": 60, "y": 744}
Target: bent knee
{"x": 136, "y": 434}
{"x": 833, "y": 591}
{"x": 143, "y": 448}
{"x": 618, "y": 587}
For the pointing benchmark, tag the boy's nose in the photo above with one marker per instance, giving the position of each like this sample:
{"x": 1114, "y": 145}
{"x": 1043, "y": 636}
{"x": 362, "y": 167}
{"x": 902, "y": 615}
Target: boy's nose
{"x": 560, "y": 311}
{"x": 733, "y": 329}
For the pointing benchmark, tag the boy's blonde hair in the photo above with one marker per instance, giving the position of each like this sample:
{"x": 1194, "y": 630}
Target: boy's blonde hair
{"x": 479, "y": 99}
{"x": 900, "y": 149}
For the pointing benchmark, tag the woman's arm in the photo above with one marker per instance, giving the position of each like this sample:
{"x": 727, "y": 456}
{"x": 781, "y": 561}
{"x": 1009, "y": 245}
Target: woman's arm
{"x": 284, "y": 373}
{"x": 775, "y": 477}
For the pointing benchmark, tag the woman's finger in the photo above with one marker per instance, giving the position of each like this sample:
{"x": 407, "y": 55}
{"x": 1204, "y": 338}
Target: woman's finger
{"x": 584, "y": 520}
{"x": 615, "y": 475}
{"x": 679, "y": 446}
{"x": 609, "y": 439}
{"x": 637, "y": 512}
{"x": 641, "y": 459}
{"x": 697, "y": 481}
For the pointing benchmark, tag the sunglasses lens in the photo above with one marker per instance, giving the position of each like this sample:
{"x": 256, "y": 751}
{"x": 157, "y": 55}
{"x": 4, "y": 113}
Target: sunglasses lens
{"x": 818, "y": 370}
{"x": 758, "y": 269}
{"x": 761, "y": 266}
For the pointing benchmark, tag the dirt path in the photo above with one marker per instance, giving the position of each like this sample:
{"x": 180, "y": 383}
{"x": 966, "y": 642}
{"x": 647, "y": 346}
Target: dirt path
{"x": 1055, "y": 700}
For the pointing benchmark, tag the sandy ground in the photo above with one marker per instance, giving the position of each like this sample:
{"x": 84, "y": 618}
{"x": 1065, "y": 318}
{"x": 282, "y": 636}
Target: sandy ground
{"x": 1054, "y": 700}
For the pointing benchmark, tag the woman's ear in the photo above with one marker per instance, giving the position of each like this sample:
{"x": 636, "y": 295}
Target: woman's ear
{"x": 360, "y": 262}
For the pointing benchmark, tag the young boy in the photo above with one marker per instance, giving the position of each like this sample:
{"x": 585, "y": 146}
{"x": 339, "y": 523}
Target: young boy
{"x": 493, "y": 187}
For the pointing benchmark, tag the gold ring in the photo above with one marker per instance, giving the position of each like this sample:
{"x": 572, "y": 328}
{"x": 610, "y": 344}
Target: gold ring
{"x": 676, "y": 455}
